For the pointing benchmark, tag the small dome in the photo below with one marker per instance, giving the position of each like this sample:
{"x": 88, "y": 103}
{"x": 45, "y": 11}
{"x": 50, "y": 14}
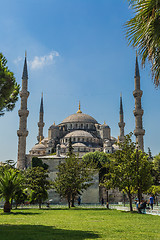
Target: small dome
{"x": 108, "y": 143}
{"x": 44, "y": 140}
{"x": 79, "y": 133}
{"x": 63, "y": 146}
{"x": 78, "y": 145}
{"x": 39, "y": 146}
{"x": 115, "y": 146}
{"x": 79, "y": 117}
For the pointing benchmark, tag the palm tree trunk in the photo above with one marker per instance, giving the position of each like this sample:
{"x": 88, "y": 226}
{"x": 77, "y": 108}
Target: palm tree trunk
{"x": 7, "y": 206}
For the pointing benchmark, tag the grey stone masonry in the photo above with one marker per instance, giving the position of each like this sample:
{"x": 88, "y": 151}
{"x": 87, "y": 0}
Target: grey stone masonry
{"x": 23, "y": 114}
{"x": 40, "y": 123}
{"x": 121, "y": 123}
{"x": 138, "y": 111}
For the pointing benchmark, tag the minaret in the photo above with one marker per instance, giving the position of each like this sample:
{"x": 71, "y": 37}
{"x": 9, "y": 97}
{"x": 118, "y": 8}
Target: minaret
{"x": 138, "y": 111}
{"x": 40, "y": 123}
{"x": 121, "y": 123}
{"x": 23, "y": 114}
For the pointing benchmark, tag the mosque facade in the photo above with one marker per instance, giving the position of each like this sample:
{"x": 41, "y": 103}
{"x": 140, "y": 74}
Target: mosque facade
{"x": 85, "y": 133}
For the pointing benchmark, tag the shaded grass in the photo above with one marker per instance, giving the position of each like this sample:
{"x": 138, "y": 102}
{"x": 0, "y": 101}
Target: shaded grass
{"x": 85, "y": 223}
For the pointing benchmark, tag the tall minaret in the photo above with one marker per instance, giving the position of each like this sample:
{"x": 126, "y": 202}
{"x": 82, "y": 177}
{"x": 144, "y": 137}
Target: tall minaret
{"x": 23, "y": 114}
{"x": 121, "y": 123}
{"x": 138, "y": 111}
{"x": 40, "y": 123}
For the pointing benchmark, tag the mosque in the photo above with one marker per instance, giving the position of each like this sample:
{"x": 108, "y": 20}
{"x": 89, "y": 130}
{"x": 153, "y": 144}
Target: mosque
{"x": 85, "y": 133}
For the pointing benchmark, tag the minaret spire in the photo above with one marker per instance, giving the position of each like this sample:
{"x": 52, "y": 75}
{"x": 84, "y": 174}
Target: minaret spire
{"x": 138, "y": 111}
{"x": 23, "y": 114}
{"x": 40, "y": 123}
{"x": 121, "y": 123}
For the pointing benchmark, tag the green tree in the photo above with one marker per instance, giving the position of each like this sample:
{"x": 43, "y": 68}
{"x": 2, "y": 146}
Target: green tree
{"x": 37, "y": 181}
{"x": 143, "y": 33}
{"x": 73, "y": 177}
{"x": 129, "y": 171}
{"x": 9, "y": 89}
{"x": 142, "y": 168}
{"x": 10, "y": 180}
{"x": 37, "y": 162}
{"x": 70, "y": 148}
{"x": 101, "y": 162}
{"x": 156, "y": 169}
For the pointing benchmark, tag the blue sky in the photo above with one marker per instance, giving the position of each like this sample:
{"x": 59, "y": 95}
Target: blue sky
{"x": 76, "y": 50}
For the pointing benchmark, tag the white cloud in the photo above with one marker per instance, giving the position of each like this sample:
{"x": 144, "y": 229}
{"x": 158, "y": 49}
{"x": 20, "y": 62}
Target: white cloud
{"x": 17, "y": 60}
{"x": 40, "y": 62}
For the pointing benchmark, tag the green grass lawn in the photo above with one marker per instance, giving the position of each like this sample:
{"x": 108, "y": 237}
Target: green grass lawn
{"x": 34, "y": 224}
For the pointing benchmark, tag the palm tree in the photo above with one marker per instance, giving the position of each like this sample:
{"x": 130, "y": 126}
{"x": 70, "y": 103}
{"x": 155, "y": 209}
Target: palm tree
{"x": 143, "y": 33}
{"x": 10, "y": 181}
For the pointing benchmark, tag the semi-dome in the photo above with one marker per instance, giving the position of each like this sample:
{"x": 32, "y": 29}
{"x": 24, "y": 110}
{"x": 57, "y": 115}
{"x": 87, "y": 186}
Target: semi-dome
{"x": 79, "y": 133}
{"x": 79, "y": 117}
{"x": 78, "y": 145}
{"x": 38, "y": 146}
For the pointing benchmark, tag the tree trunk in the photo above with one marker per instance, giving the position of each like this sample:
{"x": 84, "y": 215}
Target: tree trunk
{"x": 107, "y": 203}
{"x": 73, "y": 200}
{"x": 130, "y": 201}
{"x": 40, "y": 204}
{"x": 124, "y": 199}
{"x": 69, "y": 202}
{"x": 139, "y": 196}
{"x": 7, "y": 207}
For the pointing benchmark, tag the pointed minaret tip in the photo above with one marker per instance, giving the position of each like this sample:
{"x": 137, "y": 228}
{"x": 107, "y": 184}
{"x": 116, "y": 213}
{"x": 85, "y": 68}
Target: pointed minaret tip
{"x": 25, "y": 71}
{"x": 121, "y": 105}
{"x": 137, "y": 67}
{"x": 41, "y": 106}
{"x": 79, "y": 110}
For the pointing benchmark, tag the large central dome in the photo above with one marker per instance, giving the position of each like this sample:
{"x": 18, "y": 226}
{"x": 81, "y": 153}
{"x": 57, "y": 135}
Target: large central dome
{"x": 79, "y": 117}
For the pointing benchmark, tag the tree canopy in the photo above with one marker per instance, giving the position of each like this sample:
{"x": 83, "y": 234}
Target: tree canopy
{"x": 72, "y": 178}
{"x": 37, "y": 181}
{"x": 9, "y": 89}
{"x": 143, "y": 33}
{"x": 11, "y": 180}
{"x": 129, "y": 170}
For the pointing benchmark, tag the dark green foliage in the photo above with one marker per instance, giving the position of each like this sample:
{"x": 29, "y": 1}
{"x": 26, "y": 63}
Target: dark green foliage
{"x": 130, "y": 170}
{"x": 72, "y": 178}
{"x": 11, "y": 181}
{"x": 143, "y": 32}
{"x": 37, "y": 181}
{"x": 97, "y": 160}
{"x": 156, "y": 169}
{"x": 36, "y": 162}
{"x": 70, "y": 148}
{"x": 8, "y": 87}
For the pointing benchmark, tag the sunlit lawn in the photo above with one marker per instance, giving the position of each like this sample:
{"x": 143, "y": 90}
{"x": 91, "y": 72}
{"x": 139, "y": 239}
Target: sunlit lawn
{"x": 34, "y": 224}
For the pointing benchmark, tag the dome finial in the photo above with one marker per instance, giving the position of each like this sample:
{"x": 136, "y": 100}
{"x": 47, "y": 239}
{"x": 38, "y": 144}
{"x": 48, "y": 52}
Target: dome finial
{"x": 40, "y": 139}
{"x": 79, "y": 110}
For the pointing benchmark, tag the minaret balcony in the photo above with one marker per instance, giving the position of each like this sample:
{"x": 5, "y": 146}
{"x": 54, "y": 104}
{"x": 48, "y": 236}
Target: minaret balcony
{"x": 139, "y": 131}
{"x": 23, "y": 113}
{"x": 137, "y": 93}
{"x": 40, "y": 124}
{"x": 138, "y": 112}
{"x": 24, "y": 94}
{"x": 21, "y": 133}
{"x": 121, "y": 124}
